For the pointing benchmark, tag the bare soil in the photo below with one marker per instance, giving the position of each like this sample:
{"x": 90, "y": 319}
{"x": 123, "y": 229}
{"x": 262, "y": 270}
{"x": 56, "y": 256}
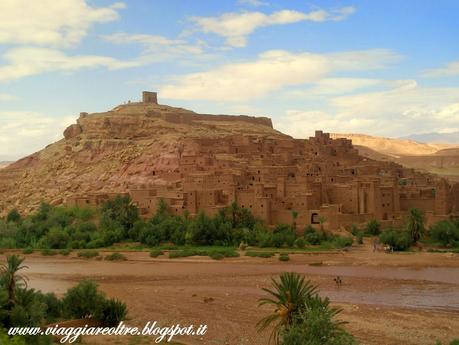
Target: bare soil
{"x": 386, "y": 298}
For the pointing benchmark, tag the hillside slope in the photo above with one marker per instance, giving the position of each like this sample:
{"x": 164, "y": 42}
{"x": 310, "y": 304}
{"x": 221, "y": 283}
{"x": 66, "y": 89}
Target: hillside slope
{"x": 105, "y": 152}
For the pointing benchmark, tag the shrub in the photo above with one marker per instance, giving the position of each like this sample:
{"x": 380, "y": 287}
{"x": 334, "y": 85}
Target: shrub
{"x": 48, "y": 252}
{"x": 354, "y": 230}
{"x": 284, "y": 257}
{"x": 308, "y": 230}
{"x": 28, "y": 250}
{"x": 227, "y": 252}
{"x": 359, "y": 237}
{"x": 341, "y": 242}
{"x": 112, "y": 312}
{"x": 445, "y": 232}
{"x": 264, "y": 239}
{"x": 316, "y": 326}
{"x": 65, "y": 252}
{"x": 373, "y": 227}
{"x": 154, "y": 253}
{"x": 300, "y": 243}
{"x": 283, "y": 234}
{"x": 83, "y": 300}
{"x": 169, "y": 247}
{"x": 313, "y": 238}
{"x": 57, "y": 238}
{"x": 398, "y": 240}
{"x": 182, "y": 254}
{"x": 217, "y": 256}
{"x": 116, "y": 257}
{"x": 213, "y": 253}
{"x": 260, "y": 254}
{"x": 52, "y": 304}
{"x": 87, "y": 254}
{"x": 13, "y": 216}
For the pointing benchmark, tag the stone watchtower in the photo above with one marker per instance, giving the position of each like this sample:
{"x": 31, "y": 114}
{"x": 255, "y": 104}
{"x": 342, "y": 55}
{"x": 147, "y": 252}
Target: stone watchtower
{"x": 149, "y": 97}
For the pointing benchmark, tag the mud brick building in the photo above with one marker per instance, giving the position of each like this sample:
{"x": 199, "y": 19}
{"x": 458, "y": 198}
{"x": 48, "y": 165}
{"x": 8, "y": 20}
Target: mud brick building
{"x": 272, "y": 175}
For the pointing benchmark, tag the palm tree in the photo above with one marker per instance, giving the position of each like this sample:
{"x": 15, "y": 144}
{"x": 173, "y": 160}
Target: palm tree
{"x": 290, "y": 296}
{"x": 294, "y": 217}
{"x": 415, "y": 224}
{"x": 318, "y": 325}
{"x": 11, "y": 278}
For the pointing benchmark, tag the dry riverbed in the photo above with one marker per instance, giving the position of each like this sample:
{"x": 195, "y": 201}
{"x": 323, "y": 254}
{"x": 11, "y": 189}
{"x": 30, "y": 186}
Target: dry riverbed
{"x": 386, "y": 298}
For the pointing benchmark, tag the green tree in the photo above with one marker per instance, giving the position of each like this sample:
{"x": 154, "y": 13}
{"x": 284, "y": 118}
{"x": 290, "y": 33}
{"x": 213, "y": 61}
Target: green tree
{"x": 57, "y": 238}
{"x": 289, "y": 296}
{"x": 10, "y": 277}
{"x": 398, "y": 240}
{"x": 119, "y": 210}
{"x": 445, "y": 232}
{"x": 373, "y": 227}
{"x": 415, "y": 224}
{"x": 83, "y": 300}
{"x": 317, "y": 325}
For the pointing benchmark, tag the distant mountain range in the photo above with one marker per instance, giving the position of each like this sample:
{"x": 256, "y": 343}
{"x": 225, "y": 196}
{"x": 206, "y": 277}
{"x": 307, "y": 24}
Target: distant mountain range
{"x": 444, "y": 138}
{"x": 393, "y": 147}
{"x": 439, "y": 158}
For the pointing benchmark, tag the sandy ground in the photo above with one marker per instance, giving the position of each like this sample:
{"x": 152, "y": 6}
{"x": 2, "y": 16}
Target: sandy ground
{"x": 386, "y": 298}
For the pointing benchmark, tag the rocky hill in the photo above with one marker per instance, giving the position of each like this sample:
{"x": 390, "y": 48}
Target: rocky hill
{"x": 105, "y": 152}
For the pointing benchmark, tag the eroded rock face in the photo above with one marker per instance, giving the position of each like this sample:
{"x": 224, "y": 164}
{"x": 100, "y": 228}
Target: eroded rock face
{"x": 114, "y": 150}
{"x": 72, "y": 131}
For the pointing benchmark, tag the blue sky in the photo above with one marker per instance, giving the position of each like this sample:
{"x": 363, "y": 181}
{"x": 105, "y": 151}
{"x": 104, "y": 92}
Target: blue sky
{"x": 388, "y": 68}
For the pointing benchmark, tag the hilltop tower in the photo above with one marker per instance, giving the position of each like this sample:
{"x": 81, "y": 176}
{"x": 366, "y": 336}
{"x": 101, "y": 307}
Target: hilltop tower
{"x": 149, "y": 97}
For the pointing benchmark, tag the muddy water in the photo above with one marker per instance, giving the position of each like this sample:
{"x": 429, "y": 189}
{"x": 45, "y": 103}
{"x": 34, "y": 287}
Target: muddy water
{"x": 424, "y": 288}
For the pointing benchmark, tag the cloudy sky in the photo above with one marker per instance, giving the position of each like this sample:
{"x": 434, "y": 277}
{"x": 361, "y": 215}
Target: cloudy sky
{"x": 386, "y": 68}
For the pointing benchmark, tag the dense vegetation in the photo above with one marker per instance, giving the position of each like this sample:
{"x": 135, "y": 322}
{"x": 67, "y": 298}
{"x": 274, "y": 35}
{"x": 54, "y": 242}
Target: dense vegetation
{"x": 24, "y": 307}
{"x": 118, "y": 220}
{"x": 65, "y": 228}
{"x": 443, "y": 233}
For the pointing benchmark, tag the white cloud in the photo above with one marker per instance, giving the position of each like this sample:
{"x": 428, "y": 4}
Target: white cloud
{"x": 23, "y": 62}
{"x": 51, "y": 22}
{"x": 254, "y": 3}
{"x": 451, "y": 69}
{"x": 236, "y": 26}
{"x": 272, "y": 71}
{"x": 157, "y": 48}
{"x": 402, "y": 109}
{"x": 334, "y": 86}
{"x": 23, "y": 133}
